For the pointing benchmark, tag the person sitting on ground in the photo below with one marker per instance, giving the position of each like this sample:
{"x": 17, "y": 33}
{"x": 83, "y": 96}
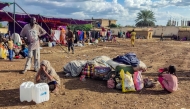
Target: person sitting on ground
{"x": 169, "y": 80}
{"x": 16, "y": 38}
{"x": 24, "y": 51}
{"x": 47, "y": 74}
{"x": 16, "y": 50}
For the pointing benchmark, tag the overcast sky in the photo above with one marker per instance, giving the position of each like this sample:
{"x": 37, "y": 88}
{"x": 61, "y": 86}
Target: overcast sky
{"x": 124, "y": 11}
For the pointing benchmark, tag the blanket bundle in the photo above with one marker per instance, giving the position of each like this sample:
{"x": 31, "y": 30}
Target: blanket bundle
{"x": 129, "y": 60}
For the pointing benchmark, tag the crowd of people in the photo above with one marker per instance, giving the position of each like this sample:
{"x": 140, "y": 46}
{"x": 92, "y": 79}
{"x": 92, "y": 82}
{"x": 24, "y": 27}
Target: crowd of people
{"x": 30, "y": 48}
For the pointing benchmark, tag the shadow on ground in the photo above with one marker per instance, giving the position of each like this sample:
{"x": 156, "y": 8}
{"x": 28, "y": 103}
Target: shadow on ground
{"x": 101, "y": 86}
{"x": 10, "y": 97}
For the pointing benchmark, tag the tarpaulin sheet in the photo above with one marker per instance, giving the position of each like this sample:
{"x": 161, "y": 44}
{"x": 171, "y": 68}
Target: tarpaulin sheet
{"x": 4, "y": 4}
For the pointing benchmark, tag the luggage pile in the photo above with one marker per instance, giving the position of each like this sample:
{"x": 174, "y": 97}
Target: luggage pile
{"x": 122, "y": 72}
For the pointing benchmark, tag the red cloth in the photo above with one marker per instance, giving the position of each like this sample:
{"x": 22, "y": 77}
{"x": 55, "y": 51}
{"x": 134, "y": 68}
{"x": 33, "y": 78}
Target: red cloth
{"x": 160, "y": 79}
{"x": 169, "y": 82}
{"x": 17, "y": 57}
{"x": 103, "y": 29}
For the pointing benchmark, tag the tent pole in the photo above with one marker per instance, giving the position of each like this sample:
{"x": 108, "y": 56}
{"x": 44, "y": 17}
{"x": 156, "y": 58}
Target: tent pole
{"x": 44, "y": 22}
{"x": 14, "y": 15}
{"x": 23, "y": 10}
{"x": 38, "y": 24}
{"x": 50, "y": 35}
{"x": 12, "y": 19}
{"x": 74, "y": 21}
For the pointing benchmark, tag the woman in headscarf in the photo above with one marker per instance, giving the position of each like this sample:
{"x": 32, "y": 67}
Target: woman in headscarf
{"x": 47, "y": 74}
{"x": 133, "y": 35}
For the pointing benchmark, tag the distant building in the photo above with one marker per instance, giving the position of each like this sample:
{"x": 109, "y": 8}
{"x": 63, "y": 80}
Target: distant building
{"x": 188, "y": 23}
{"x": 102, "y": 22}
{"x": 3, "y": 30}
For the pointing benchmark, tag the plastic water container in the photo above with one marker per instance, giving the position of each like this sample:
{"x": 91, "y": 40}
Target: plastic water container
{"x": 53, "y": 44}
{"x": 41, "y": 41}
{"x": 26, "y": 91}
{"x": 96, "y": 41}
{"x": 40, "y": 92}
{"x": 49, "y": 44}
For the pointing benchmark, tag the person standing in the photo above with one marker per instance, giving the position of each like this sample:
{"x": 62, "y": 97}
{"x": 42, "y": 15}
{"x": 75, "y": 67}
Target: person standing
{"x": 133, "y": 35}
{"x": 10, "y": 48}
{"x": 161, "y": 37}
{"x": 70, "y": 40}
{"x": 109, "y": 35}
{"x": 84, "y": 37}
{"x": 124, "y": 35}
{"x": 32, "y": 32}
{"x": 62, "y": 36}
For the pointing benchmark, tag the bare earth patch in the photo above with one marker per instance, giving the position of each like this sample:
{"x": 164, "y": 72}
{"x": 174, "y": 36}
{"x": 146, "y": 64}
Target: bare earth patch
{"x": 93, "y": 94}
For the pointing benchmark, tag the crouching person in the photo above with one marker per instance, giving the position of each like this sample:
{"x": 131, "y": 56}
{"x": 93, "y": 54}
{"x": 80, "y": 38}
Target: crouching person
{"x": 169, "y": 80}
{"x": 24, "y": 51}
{"x": 47, "y": 74}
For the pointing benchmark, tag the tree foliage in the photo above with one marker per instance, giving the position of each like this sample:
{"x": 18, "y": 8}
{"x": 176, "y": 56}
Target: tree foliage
{"x": 168, "y": 23}
{"x": 130, "y": 26}
{"x": 1, "y": 25}
{"x": 85, "y": 27}
{"x": 145, "y": 18}
{"x": 113, "y": 25}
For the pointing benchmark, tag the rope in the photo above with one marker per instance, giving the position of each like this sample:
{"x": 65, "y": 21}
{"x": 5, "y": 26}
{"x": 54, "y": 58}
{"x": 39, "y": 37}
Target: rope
{"x": 12, "y": 19}
{"x": 38, "y": 24}
{"x": 54, "y": 37}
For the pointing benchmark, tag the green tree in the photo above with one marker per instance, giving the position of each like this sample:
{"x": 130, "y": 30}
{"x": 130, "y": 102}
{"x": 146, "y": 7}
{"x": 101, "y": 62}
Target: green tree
{"x": 129, "y": 26}
{"x": 168, "y": 23}
{"x": 1, "y": 25}
{"x": 113, "y": 25}
{"x": 119, "y": 25}
{"x": 85, "y": 27}
{"x": 145, "y": 18}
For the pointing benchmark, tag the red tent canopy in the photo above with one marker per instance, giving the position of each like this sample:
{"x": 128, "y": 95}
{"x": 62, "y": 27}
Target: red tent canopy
{"x": 26, "y": 18}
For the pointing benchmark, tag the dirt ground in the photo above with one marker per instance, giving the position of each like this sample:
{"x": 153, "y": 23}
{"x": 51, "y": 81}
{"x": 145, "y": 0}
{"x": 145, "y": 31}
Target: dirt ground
{"x": 93, "y": 94}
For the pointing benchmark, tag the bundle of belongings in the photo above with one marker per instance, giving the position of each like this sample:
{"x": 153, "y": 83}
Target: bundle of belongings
{"x": 122, "y": 72}
{"x": 95, "y": 68}
{"x": 3, "y": 52}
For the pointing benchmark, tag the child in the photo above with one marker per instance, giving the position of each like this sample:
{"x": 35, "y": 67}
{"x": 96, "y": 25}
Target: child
{"x": 16, "y": 51}
{"x": 24, "y": 51}
{"x": 169, "y": 81}
{"x": 10, "y": 48}
{"x": 113, "y": 39}
{"x": 47, "y": 74}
